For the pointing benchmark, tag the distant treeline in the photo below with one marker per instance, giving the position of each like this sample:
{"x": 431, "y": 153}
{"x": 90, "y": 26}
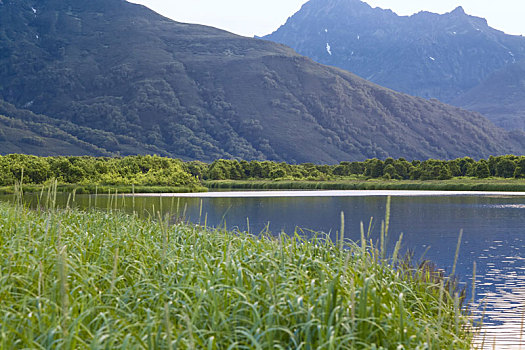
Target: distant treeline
{"x": 161, "y": 171}
{"x": 138, "y": 170}
{"x": 508, "y": 166}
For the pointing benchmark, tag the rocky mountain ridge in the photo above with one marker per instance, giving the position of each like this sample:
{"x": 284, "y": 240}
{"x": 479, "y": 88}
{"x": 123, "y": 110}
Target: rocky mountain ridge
{"x": 426, "y": 54}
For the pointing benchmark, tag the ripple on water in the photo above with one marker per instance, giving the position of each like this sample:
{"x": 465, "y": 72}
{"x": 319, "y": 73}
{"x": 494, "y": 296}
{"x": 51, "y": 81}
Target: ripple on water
{"x": 506, "y": 206}
{"x": 502, "y": 309}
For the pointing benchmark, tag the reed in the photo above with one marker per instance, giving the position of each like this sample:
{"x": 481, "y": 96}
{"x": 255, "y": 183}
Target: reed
{"x": 456, "y": 184}
{"x": 72, "y": 279}
{"x": 94, "y": 188}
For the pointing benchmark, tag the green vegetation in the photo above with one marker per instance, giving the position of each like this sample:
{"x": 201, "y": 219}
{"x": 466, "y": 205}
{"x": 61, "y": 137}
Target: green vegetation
{"x": 106, "y": 189}
{"x": 160, "y": 174}
{"x": 457, "y": 184}
{"x": 83, "y": 280}
{"x": 30, "y": 133}
{"x": 508, "y": 166}
{"x": 149, "y": 173}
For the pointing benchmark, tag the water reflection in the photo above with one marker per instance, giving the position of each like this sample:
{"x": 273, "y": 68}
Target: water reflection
{"x": 502, "y": 295}
{"x": 494, "y": 235}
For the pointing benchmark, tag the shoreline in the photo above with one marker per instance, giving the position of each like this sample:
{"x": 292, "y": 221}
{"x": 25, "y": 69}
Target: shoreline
{"x": 460, "y": 186}
{"x": 456, "y": 184}
{"x": 328, "y": 193}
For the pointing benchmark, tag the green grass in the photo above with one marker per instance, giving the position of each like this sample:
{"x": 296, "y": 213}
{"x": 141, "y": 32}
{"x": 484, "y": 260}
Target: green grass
{"x": 71, "y": 279}
{"x": 92, "y": 189}
{"x": 456, "y": 184}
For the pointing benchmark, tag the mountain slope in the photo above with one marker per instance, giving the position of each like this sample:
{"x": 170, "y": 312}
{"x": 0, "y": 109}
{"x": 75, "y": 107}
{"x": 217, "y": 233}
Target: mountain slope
{"x": 22, "y": 131}
{"x": 501, "y": 97}
{"x": 426, "y": 54}
{"x": 195, "y": 92}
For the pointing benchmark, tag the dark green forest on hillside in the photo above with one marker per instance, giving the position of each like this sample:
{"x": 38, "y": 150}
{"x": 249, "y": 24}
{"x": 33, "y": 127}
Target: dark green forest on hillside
{"x": 22, "y": 131}
{"x": 161, "y": 171}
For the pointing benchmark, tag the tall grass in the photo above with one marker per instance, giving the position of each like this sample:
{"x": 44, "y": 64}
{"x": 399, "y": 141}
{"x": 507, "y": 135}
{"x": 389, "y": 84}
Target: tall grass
{"x": 71, "y": 279}
{"x": 92, "y": 189}
{"x": 458, "y": 184}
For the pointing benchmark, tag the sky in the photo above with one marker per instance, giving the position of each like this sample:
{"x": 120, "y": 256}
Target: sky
{"x": 261, "y": 17}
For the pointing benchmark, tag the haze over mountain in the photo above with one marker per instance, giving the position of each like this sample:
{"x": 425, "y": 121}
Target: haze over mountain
{"x": 110, "y": 77}
{"x": 501, "y": 97}
{"x": 426, "y": 54}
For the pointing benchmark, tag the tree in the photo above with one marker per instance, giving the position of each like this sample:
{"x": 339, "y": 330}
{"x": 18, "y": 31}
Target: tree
{"x": 444, "y": 172}
{"x": 390, "y": 172}
{"x": 374, "y": 168}
{"x": 343, "y": 169}
{"x": 481, "y": 169}
{"x": 505, "y": 167}
{"x": 403, "y": 168}
{"x": 465, "y": 164}
{"x": 519, "y": 173}
{"x": 277, "y": 173}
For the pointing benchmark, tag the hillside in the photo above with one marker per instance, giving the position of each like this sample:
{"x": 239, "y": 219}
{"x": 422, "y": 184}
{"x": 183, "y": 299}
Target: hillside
{"x": 120, "y": 72}
{"x": 426, "y": 54}
{"x": 501, "y": 97}
{"x": 22, "y": 131}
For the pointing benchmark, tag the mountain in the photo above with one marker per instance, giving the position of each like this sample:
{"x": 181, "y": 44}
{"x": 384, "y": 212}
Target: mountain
{"x": 426, "y": 54}
{"x": 22, "y": 131}
{"x": 122, "y": 79}
{"x": 501, "y": 97}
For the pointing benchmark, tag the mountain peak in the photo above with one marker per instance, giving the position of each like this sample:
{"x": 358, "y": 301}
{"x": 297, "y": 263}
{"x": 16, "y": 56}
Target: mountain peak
{"x": 459, "y": 14}
{"x": 356, "y": 7}
{"x": 425, "y": 54}
{"x": 458, "y": 11}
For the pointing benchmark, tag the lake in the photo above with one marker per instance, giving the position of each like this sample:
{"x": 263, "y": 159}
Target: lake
{"x": 493, "y": 227}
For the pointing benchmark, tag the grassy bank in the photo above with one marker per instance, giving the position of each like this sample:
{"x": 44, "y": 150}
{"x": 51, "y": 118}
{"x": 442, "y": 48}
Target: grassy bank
{"x": 104, "y": 189}
{"x": 71, "y": 279}
{"x": 456, "y": 184}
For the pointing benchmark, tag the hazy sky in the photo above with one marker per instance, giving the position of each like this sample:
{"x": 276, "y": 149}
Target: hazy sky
{"x": 260, "y": 17}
